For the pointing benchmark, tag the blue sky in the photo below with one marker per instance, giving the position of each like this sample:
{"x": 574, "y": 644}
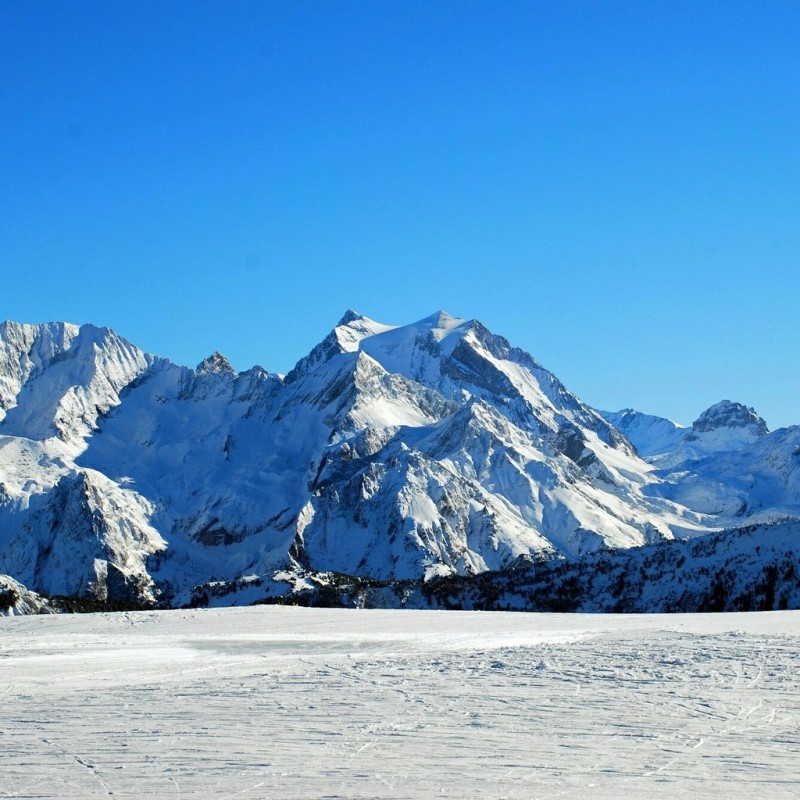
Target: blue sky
{"x": 613, "y": 186}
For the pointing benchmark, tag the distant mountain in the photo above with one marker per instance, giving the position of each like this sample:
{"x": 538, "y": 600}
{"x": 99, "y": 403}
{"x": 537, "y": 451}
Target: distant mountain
{"x": 388, "y": 453}
{"x": 650, "y": 435}
{"x": 724, "y": 427}
{"x": 727, "y": 465}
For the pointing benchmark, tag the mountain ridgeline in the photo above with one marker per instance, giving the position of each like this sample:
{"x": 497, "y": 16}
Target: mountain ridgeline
{"x": 390, "y": 457}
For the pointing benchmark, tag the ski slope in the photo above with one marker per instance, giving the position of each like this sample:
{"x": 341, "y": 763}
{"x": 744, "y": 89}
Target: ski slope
{"x": 307, "y": 703}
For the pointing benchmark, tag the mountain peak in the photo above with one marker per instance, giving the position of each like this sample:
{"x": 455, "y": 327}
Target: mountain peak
{"x": 349, "y": 316}
{"x": 727, "y": 414}
{"x": 441, "y": 319}
{"x": 216, "y": 363}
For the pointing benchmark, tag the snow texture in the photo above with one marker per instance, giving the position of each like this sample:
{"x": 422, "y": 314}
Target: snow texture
{"x": 282, "y": 702}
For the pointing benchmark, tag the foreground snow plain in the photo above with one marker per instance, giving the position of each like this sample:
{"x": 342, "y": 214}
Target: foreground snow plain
{"x": 302, "y": 703}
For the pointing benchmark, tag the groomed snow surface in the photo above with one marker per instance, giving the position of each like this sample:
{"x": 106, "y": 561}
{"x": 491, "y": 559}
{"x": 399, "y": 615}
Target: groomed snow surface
{"x": 308, "y": 703}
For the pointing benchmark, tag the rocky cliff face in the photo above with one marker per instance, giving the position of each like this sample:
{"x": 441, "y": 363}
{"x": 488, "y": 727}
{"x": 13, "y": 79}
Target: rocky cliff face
{"x": 730, "y": 416}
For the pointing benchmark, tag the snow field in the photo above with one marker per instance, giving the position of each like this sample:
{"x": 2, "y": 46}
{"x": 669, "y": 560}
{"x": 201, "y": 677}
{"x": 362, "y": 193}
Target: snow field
{"x": 307, "y": 703}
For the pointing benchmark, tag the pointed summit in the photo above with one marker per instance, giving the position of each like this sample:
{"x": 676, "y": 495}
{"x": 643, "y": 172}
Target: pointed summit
{"x": 216, "y": 363}
{"x": 349, "y": 316}
{"x": 441, "y": 319}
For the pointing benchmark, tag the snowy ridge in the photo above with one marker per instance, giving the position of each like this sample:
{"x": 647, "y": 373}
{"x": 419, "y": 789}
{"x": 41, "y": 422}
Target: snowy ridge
{"x": 389, "y": 452}
{"x": 650, "y": 435}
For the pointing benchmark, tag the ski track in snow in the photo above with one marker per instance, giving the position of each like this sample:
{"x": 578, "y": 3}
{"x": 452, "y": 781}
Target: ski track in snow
{"x": 301, "y": 703}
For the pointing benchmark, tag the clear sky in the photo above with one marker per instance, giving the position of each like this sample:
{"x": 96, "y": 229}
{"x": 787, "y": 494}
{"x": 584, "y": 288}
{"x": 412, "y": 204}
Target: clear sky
{"x": 613, "y": 186}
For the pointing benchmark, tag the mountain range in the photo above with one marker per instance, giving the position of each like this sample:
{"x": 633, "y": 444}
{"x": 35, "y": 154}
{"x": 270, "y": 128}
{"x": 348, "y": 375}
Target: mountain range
{"x": 426, "y": 452}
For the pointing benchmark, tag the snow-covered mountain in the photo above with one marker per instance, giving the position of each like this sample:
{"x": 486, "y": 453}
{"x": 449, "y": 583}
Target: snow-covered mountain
{"x": 391, "y": 453}
{"x": 727, "y": 465}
